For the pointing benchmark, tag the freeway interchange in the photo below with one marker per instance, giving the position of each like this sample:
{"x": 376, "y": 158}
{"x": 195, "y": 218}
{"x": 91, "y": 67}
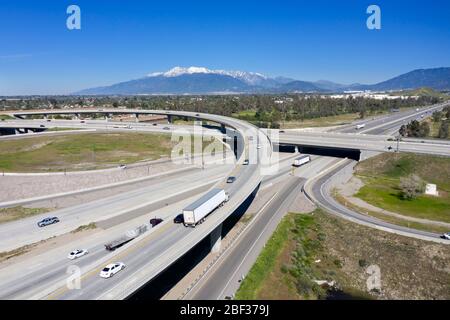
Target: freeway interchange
{"x": 45, "y": 277}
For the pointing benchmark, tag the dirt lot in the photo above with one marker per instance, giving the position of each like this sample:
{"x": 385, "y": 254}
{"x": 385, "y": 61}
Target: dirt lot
{"x": 322, "y": 247}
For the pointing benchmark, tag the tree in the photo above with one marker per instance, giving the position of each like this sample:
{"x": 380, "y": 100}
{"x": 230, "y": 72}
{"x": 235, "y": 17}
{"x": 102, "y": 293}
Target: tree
{"x": 415, "y": 129}
{"x": 443, "y": 130}
{"x": 411, "y": 187}
{"x": 424, "y": 129}
{"x": 437, "y": 116}
{"x": 403, "y": 131}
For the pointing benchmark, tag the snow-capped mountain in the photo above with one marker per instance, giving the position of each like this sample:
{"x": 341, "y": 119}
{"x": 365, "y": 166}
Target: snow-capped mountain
{"x": 200, "y": 80}
{"x": 251, "y": 78}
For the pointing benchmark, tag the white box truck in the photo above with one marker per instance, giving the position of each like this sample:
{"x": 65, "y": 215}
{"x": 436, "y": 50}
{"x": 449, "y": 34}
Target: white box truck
{"x": 302, "y": 160}
{"x": 197, "y": 211}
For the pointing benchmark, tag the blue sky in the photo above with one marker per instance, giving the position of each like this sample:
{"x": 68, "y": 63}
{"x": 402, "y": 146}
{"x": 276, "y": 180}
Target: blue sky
{"x": 306, "y": 40}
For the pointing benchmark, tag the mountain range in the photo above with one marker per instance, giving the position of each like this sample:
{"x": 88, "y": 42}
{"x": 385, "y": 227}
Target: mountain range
{"x": 200, "y": 80}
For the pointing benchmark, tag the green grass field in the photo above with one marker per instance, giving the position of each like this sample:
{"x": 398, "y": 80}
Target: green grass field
{"x": 382, "y": 175}
{"x": 81, "y": 152}
{"x": 86, "y": 151}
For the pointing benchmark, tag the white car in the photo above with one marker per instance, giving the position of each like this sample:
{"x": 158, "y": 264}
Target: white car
{"x": 446, "y": 236}
{"x": 111, "y": 269}
{"x": 77, "y": 253}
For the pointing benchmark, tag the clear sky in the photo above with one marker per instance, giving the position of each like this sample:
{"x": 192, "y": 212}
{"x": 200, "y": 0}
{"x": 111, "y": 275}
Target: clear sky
{"x": 306, "y": 40}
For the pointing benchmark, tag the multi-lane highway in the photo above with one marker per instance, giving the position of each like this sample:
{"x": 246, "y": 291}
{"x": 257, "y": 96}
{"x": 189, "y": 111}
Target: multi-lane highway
{"x": 37, "y": 278}
{"x": 319, "y": 188}
{"x": 173, "y": 241}
{"x": 151, "y": 253}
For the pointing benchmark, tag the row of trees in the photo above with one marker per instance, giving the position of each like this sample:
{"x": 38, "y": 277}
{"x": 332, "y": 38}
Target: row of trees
{"x": 263, "y": 110}
{"x": 442, "y": 117}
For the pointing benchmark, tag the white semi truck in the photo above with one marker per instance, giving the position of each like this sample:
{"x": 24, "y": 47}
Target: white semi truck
{"x": 302, "y": 160}
{"x": 197, "y": 211}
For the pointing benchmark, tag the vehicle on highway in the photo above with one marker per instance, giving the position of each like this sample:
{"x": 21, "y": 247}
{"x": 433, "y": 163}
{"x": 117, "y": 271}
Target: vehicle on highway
{"x": 281, "y": 131}
{"x": 112, "y": 269}
{"x": 42, "y": 126}
{"x": 49, "y": 120}
{"x": 155, "y": 221}
{"x": 122, "y": 166}
{"x": 178, "y": 219}
{"x": 231, "y": 179}
{"x": 446, "y": 236}
{"x": 258, "y": 146}
{"x": 166, "y": 128}
{"x": 154, "y": 124}
{"x": 301, "y": 160}
{"x": 360, "y": 126}
{"x": 77, "y": 253}
{"x": 47, "y": 221}
{"x": 246, "y": 162}
{"x": 82, "y": 121}
{"x": 197, "y": 211}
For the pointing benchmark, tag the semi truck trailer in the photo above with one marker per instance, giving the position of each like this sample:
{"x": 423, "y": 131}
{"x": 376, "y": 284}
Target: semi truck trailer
{"x": 302, "y": 160}
{"x": 197, "y": 211}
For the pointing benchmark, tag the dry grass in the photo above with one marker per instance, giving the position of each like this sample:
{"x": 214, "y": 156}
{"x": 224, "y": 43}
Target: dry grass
{"x": 410, "y": 268}
{"x": 16, "y": 213}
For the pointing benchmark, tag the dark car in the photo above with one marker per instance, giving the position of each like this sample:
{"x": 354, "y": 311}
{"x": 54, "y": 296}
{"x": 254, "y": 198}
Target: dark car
{"x": 155, "y": 221}
{"x": 47, "y": 221}
{"x": 231, "y": 179}
{"x": 179, "y": 218}
{"x": 166, "y": 128}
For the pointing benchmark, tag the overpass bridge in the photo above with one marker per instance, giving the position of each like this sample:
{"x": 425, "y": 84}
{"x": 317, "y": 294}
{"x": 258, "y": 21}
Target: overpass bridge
{"x": 174, "y": 242}
{"x": 351, "y": 145}
{"x": 153, "y": 254}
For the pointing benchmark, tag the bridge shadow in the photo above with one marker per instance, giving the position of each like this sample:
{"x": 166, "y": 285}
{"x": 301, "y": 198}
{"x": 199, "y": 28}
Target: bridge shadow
{"x": 157, "y": 287}
{"x": 353, "y": 154}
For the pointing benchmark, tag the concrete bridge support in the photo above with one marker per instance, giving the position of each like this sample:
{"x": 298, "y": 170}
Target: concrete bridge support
{"x": 136, "y": 117}
{"x": 216, "y": 239}
{"x": 169, "y": 119}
